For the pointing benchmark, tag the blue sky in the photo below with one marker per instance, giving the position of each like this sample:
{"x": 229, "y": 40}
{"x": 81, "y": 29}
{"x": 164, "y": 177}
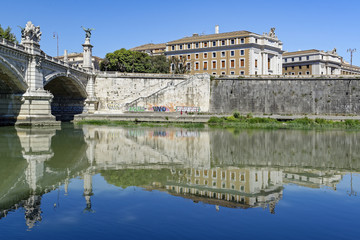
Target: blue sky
{"x": 319, "y": 24}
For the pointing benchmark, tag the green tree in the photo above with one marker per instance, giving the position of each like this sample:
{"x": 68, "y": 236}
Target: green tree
{"x": 7, "y": 34}
{"x": 179, "y": 64}
{"x": 131, "y": 61}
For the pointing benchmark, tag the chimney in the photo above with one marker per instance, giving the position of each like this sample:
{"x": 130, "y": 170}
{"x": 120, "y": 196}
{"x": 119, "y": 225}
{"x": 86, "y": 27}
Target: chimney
{"x": 216, "y": 29}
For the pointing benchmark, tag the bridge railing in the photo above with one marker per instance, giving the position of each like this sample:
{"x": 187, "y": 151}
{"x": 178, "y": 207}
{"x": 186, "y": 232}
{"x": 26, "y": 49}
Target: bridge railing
{"x": 11, "y": 44}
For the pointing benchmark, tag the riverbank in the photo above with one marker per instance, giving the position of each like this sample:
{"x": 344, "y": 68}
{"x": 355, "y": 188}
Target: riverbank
{"x": 223, "y": 121}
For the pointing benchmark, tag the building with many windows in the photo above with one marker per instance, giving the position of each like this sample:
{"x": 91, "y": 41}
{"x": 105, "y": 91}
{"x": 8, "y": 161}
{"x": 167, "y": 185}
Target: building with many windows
{"x": 77, "y": 59}
{"x": 316, "y": 62}
{"x": 151, "y": 49}
{"x": 231, "y": 53}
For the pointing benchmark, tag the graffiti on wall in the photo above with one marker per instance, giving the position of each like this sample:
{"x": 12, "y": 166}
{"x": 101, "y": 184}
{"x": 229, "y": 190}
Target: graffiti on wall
{"x": 68, "y": 109}
{"x": 160, "y": 109}
{"x": 187, "y": 109}
{"x": 113, "y": 106}
{"x": 137, "y": 109}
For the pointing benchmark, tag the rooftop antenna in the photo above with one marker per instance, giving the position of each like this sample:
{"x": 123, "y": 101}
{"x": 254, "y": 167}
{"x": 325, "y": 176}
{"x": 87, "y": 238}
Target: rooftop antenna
{"x": 351, "y": 51}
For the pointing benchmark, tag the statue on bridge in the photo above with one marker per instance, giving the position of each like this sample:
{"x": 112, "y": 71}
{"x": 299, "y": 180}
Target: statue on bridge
{"x": 30, "y": 33}
{"x": 87, "y": 31}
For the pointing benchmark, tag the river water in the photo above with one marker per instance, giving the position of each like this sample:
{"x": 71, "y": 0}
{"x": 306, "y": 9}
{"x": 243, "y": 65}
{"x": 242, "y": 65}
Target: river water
{"x": 103, "y": 182}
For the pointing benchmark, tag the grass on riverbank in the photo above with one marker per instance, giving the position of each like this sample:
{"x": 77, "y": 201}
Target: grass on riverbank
{"x": 237, "y": 121}
{"x": 141, "y": 124}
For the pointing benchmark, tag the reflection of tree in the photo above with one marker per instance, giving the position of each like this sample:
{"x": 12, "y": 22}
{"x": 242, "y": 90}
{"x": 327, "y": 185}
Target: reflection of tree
{"x": 135, "y": 177}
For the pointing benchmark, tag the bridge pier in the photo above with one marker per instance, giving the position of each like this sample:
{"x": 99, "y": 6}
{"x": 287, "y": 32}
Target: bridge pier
{"x": 36, "y": 109}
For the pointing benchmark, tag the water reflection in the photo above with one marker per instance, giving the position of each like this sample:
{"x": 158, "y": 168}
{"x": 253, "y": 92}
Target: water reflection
{"x": 244, "y": 169}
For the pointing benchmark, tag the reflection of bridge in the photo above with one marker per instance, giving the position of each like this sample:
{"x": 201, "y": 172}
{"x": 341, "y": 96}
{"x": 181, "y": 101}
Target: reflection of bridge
{"x": 35, "y": 87}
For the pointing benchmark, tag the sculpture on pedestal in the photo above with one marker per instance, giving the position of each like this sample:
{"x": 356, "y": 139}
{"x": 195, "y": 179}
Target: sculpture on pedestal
{"x": 87, "y": 31}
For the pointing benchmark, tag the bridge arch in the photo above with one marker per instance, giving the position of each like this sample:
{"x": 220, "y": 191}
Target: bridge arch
{"x": 11, "y": 80}
{"x": 69, "y": 95}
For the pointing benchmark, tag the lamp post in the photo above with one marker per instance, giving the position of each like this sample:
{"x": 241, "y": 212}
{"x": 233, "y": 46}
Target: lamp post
{"x": 351, "y": 51}
{"x": 55, "y": 34}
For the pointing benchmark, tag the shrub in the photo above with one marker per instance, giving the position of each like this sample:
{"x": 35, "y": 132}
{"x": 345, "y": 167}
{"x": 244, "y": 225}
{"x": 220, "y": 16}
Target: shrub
{"x": 303, "y": 121}
{"x": 352, "y": 123}
{"x": 216, "y": 120}
{"x": 249, "y": 115}
{"x": 320, "y": 121}
{"x": 232, "y": 119}
{"x": 260, "y": 120}
{"x": 236, "y": 115}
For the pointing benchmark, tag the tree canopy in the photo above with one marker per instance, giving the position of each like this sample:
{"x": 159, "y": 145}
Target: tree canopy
{"x": 7, "y": 34}
{"x": 132, "y": 61}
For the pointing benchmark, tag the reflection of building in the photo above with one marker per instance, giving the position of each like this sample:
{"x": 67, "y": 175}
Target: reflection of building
{"x": 151, "y": 49}
{"x": 230, "y": 53}
{"x": 230, "y": 187}
{"x": 316, "y": 62}
{"x": 312, "y": 178}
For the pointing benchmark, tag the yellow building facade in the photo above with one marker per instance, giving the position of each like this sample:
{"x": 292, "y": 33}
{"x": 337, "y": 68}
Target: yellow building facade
{"x": 231, "y": 53}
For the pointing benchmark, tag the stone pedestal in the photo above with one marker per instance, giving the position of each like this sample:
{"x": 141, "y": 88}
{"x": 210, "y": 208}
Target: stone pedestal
{"x": 91, "y": 105}
{"x": 36, "y": 109}
{"x": 87, "y": 55}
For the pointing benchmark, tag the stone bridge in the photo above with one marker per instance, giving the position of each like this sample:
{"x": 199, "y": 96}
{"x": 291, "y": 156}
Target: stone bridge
{"x": 38, "y": 89}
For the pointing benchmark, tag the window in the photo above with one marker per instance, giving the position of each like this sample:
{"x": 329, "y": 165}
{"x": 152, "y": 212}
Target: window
{"x": 189, "y": 57}
{"x": 205, "y": 173}
{"x": 292, "y": 68}
{"x": 242, "y": 40}
{"x": 285, "y": 68}
{"x": 242, "y": 62}
{"x": 197, "y": 173}
{"x": 214, "y": 43}
{"x": 307, "y": 66}
{"x": 299, "y": 73}
{"x": 299, "y": 67}
{"x": 300, "y": 58}
{"x": 214, "y": 54}
{"x": 197, "y": 45}
{"x": 232, "y": 53}
{"x": 205, "y": 66}
{"x": 196, "y": 66}
{"x": 196, "y": 56}
{"x": 223, "y": 43}
{"x": 307, "y": 57}
{"x": 173, "y": 48}
{"x": 242, "y": 52}
{"x": 232, "y": 63}
{"x": 232, "y": 41}
{"x": 242, "y": 177}
{"x": 205, "y": 44}
{"x": 269, "y": 63}
{"x": 292, "y": 59}
{"x": 214, "y": 73}
{"x": 232, "y": 73}
{"x": 222, "y": 73}
{"x": 256, "y": 63}
{"x": 172, "y": 67}
{"x": 307, "y": 73}
{"x": 242, "y": 73}
{"x": 188, "y": 66}
{"x": 189, "y": 45}
{"x": 222, "y": 54}
{"x": 256, "y": 177}
{"x": 214, "y": 174}
{"x": 285, "y": 59}
{"x": 255, "y": 40}
{"x": 213, "y": 64}
{"x": 285, "y": 74}
{"x": 292, "y": 73}
{"x": 232, "y": 175}
{"x": 205, "y": 55}
{"x": 223, "y": 175}
{"x": 180, "y": 47}
{"x": 223, "y": 64}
